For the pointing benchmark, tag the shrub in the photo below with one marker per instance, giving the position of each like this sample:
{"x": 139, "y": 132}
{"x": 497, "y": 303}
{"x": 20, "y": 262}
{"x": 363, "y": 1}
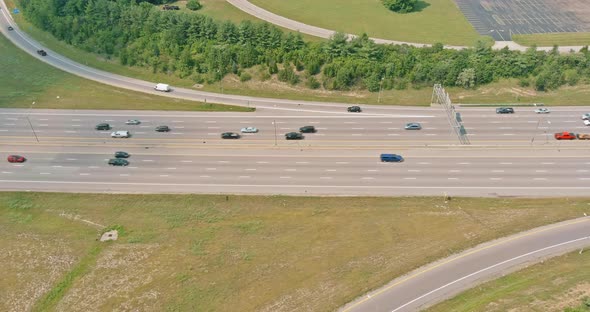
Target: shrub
{"x": 400, "y": 6}
{"x": 245, "y": 77}
{"x": 193, "y": 5}
{"x": 312, "y": 83}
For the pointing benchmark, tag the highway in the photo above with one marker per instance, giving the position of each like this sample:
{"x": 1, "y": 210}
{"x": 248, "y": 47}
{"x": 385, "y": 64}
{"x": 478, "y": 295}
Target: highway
{"x": 448, "y": 277}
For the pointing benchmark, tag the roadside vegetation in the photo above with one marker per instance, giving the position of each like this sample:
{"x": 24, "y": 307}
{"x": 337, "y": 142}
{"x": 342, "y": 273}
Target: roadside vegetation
{"x": 25, "y": 80}
{"x": 548, "y": 40}
{"x": 218, "y": 253}
{"x": 559, "y": 284}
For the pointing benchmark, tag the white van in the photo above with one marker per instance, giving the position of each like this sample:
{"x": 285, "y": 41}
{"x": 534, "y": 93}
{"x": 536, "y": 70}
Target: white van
{"x": 162, "y": 87}
{"x": 120, "y": 134}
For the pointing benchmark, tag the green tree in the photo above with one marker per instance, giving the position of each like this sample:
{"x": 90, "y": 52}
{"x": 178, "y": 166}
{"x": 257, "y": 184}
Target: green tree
{"x": 400, "y": 6}
{"x": 193, "y": 5}
{"x": 466, "y": 78}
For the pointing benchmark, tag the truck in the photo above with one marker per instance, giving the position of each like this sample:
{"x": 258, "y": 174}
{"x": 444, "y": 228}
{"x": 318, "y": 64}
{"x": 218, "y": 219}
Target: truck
{"x": 162, "y": 87}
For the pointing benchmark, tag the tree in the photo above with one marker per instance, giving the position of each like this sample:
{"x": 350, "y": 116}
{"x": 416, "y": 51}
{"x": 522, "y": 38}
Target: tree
{"x": 193, "y": 5}
{"x": 466, "y": 78}
{"x": 400, "y": 6}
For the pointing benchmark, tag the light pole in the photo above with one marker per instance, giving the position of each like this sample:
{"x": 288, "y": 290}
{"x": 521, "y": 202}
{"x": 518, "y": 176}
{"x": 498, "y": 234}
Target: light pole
{"x": 380, "y": 88}
{"x": 31, "y": 124}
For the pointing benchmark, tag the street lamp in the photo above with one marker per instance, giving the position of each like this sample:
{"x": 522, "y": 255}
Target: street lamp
{"x": 380, "y": 88}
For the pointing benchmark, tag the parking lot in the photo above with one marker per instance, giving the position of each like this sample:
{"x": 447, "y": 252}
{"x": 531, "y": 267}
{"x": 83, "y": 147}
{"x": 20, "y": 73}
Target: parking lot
{"x": 503, "y": 18}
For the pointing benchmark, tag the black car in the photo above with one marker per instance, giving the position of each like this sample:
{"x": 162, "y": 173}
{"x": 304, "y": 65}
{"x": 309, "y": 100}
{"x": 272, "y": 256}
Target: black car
{"x": 121, "y": 155}
{"x": 504, "y": 110}
{"x": 41, "y": 52}
{"x": 10, "y": 28}
{"x": 230, "y": 135}
{"x": 308, "y": 129}
{"x": 354, "y": 109}
{"x": 162, "y": 128}
{"x": 103, "y": 126}
{"x": 294, "y": 136}
{"x": 118, "y": 162}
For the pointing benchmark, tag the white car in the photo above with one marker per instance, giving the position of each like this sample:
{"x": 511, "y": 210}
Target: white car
{"x": 542, "y": 110}
{"x": 249, "y": 130}
{"x": 120, "y": 134}
{"x": 586, "y": 116}
{"x": 586, "y": 122}
{"x": 132, "y": 122}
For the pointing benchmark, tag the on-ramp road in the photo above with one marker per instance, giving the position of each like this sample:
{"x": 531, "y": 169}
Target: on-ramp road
{"x": 448, "y": 277}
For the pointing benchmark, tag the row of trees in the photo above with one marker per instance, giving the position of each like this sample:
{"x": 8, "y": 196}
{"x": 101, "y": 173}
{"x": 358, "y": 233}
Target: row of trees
{"x": 198, "y": 47}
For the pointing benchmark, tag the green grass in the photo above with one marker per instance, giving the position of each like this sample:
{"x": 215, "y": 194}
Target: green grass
{"x": 25, "y": 80}
{"x": 437, "y": 21}
{"x": 551, "y": 286}
{"x": 549, "y": 40}
{"x": 220, "y": 253}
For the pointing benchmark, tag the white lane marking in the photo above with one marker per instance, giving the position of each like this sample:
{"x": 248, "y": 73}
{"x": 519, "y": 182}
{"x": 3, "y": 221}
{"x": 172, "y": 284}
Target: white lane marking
{"x": 262, "y": 162}
{"x": 213, "y": 121}
{"x": 11, "y": 119}
{"x": 212, "y": 127}
{"x": 327, "y": 178}
{"x": 483, "y": 270}
{"x": 392, "y": 134}
{"x": 539, "y": 179}
{"x": 471, "y": 134}
{"x": 302, "y": 162}
{"x": 109, "y": 120}
{"x": 423, "y": 163}
{"x": 393, "y": 128}
{"x": 147, "y": 160}
{"x": 9, "y": 124}
{"x": 171, "y": 168}
{"x": 244, "y": 177}
{"x": 210, "y": 168}
{"x": 56, "y": 166}
{"x": 454, "y": 170}
{"x": 505, "y": 128}
{"x": 70, "y": 131}
{"x": 386, "y": 122}
{"x": 284, "y": 128}
{"x": 92, "y": 167}
{"x": 330, "y": 170}
{"x": 6, "y": 172}
{"x": 75, "y": 119}
{"x": 495, "y": 179}
{"x": 204, "y": 176}
{"x": 464, "y": 163}
{"x": 367, "y": 178}
{"x": 290, "y": 169}
{"x": 570, "y": 121}
{"x": 164, "y": 175}
{"x": 584, "y": 179}
{"x": 413, "y": 170}
{"x": 212, "y": 133}
{"x": 540, "y": 170}
{"x": 372, "y": 170}
{"x": 124, "y": 175}
{"x": 223, "y": 161}
{"x": 582, "y": 170}
{"x": 76, "y": 125}
{"x": 358, "y": 128}
{"x": 431, "y": 134}
{"x": 356, "y": 134}
{"x": 4, "y": 130}
{"x": 495, "y": 122}
{"x": 284, "y": 177}
{"x": 242, "y": 122}
{"x": 84, "y": 174}
{"x": 186, "y": 161}
{"x": 497, "y": 170}
{"x": 144, "y": 126}
{"x": 548, "y": 163}
{"x": 279, "y": 122}
{"x": 177, "y": 132}
{"x": 132, "y": 167}
{"x": 177, "y": 121}
{"x": 71, "y": 159}
{"x": 350, "y": 122}
{"x": 43, "y": 125}
{"x": 44, "y": 173}
{"x": 430, "y": 128}
{"x": 409, "y": 178}
{"x": 44, "y": 119}
{"x": 508, "y": 134}
{"x": 250, "y": 169}
{"x": 505, "y": 163}
{"x": 342, "y": 162}
{"x": 452, "y": 178}
{"x": 532, "y": 121}
{"x": 321, "y": 128}
{"x": 18, "y": 165}
{"x": 179, "y": 127}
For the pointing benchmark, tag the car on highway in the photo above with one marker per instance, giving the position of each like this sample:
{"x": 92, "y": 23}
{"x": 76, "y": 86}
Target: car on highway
{"x": 120, "y": 134}
{"x": 103, "y": 126}
{"x": 586, "y": 116}
{"x": 542, "y": 110}
{"x": 504, "y": 110}
{"x": 308, "y": 129}
{"x": 294, "y": 136}
{"x": 132, "y": 122}
{"x": 249, "y": 130}
{"x": 118, "y": 162}
{"x": 565, "y": 136}
{"x": 354, "y": 109}
{"x": 162, "y": 129}
{"x": 121, "y": 154}
{"x": 583, "y": 136}
{"x": 413, "y": 126}
{"x": 230, "y": 135}
{"x": 586, "y": 122}
{"x": 391, "y": 158}
{"x": 10, "y": 28}
{"x": 162, "y": 87}
{"x": 41, "y": 52}
{"x": 16, "y": 159}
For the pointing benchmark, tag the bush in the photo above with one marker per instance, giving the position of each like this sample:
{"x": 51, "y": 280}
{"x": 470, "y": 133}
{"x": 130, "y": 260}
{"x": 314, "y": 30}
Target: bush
{"x": 245, "y": 77}
{"x": 524, "y": 82}
{"x": 193, "y": 5}
{"x": 400, "y": 6}
{"x": 288, "y": 75}
{"x": 312, "y": 83}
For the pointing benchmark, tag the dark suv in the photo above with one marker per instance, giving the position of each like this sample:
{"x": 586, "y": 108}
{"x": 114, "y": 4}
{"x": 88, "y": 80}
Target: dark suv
{"x": 230, "y": 135}
{"x": 103, "y": 126}
{"x": 162, "y": 128}
{"x": 504, "y": 110}
{"x": 41, "y": 52}
{"x": 354, "y": 109}
{"x": 307, "y": 129}
{"x": 293, "y": 136}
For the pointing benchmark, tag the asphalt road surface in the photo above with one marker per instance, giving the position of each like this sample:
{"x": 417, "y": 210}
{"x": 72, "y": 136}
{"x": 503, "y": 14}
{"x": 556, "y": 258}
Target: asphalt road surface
{"x": 448, "y": 277}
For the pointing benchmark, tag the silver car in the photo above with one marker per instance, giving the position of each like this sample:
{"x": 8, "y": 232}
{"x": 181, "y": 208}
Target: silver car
{"x": 249, "y": 130}
{"x": 132, "y": 122}
{"x": 413, "y": 126}
{"x": 542, "y": 110}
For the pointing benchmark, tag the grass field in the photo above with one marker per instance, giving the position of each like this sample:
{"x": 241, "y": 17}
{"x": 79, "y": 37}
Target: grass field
{"x": 548, "y": 40}
{"x": 550, "y": 286}
{"x": 25, "y": 80}
{"x": 436, "y": 20}
{"x": 228, "y": 253}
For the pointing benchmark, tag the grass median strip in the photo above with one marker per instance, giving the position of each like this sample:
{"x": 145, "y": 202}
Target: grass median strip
{"x": 267, "y": 253}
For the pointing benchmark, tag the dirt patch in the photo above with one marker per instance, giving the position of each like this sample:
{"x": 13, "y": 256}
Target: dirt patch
{"x": 570, "y": 298}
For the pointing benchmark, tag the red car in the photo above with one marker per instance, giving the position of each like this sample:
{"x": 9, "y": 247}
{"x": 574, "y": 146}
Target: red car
{"x": 565, "y": 136}
{"x": 16, "y": 159}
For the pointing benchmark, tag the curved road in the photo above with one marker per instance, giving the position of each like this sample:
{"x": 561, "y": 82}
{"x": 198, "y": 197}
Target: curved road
{"x": 448, "y": 277}
{"x": 284, "y": 22}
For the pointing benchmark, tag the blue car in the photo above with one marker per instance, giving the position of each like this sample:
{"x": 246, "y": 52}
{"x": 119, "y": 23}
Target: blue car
{"x": 413, "y": 126}
{"x": 391, "y": 158}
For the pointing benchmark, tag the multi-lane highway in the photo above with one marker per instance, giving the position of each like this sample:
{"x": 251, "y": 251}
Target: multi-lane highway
{"x": 509, "y": 155}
